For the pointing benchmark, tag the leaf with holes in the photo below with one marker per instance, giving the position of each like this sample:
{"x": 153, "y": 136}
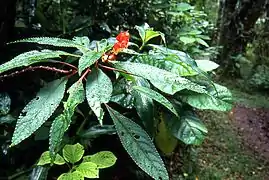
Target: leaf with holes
{"x": 87, "y": 60}
{"x": 156, "y": 96}
{"x": 188, "y": 128}
{"x": 73, "y": 153}
{"x": 218, "y": 98}
{"x": 139, "y": 146}
{"x": 31, "y": 57}
{"x": 62, "y": 122}
{"x": 39, "y": 110}
{"x": 102, "y": 159}
{"x": 98, "y": 90}
{"x": 165, "y": 81}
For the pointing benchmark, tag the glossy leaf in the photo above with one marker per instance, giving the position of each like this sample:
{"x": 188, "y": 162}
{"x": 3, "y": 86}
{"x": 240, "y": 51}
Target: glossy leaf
{"x": 88, "y": 170}
{"x": 31, "y": 57}
{"x": 157, "y": 97}
{"x": 102, "y": 159}
{"x": 73, "y": 153}
{"x": 188, "y": 128}
{"x": 39, "y": 110}
{"x": 98, "y": 91}
{"x": 62, "y": 122}
{"x": 139, "y": 146}
{"x": 87, "y": 60}
{"x": 165, "y": 81}
{"x": 220, "y": 100}
{"x": 206, "y": 65}
{"x": 46, "y": 159}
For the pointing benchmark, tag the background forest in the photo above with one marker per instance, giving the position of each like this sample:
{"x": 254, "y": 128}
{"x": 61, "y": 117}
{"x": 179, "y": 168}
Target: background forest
{"x": 221, "y": 45}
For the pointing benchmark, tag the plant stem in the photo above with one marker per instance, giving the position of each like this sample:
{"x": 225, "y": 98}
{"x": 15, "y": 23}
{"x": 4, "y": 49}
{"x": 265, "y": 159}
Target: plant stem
{"x": 64, "y": 63}
{"x": 83, "y": 75}
{"x": 114, "y": 69}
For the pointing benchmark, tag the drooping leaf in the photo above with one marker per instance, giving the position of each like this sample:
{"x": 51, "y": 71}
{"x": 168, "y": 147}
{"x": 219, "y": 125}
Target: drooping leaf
{"x": 165, "y": 81}
{"x": 46, "y": 159}
{"x": 62, "y": 122}
{"x": 87, "y": 60}
{"x": 73, "y": 153}
{"x": 39, "y": 110}
{"x": 5, "y": 103}
{"x": 146, "y": 33}
{"x": 98, "y": 130}
{"x": 88, "y": 170}
{"x": 188, "y": 128}
{"x": 220, "y": 100}
{"x": 77, "y": 42}
{"x": 98, "y": 90}
{"x": 139, "y": 146}
{"x": 39, "y": 173}
{"x": 76, "y": 175}
{"x": 201, "y": 41}
{"x": 144, "y": 106}
{"x": 157, "y": 97}
{"x": 206, "y": 65}
{"x": 164, "y": 139}
{"x": 102, "y": 159}
{"x": 31, "y": 57}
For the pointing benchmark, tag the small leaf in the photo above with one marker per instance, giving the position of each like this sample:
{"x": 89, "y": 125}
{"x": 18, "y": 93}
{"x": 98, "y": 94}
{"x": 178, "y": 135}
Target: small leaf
{"x": 142, "y": 33}
{"x": 98, "y": 90}
{"x": 139, "y": 146}
{"x": 88, "y": 170}
{"x": 87, "y": 60}
{"x": 76, "y": 175}
{"x": 31, "y": 57}
{"x": 5, "y": 103}
{"x": 220, "y": 100}
{"x": 189, "y": 129}
{"x": 157, "y": 97}
{"x": 165, "y": 81}
{"x": 73, "y": 153}
{"x": 62, "y": 122}
{"x": 39, "y": 110}
{"x": 103, "y": 159}
{"x": 152, "y": 34}
{"x": 45, "y": 159}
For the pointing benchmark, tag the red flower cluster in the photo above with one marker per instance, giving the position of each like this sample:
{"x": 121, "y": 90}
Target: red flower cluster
{"x": 121, "y": 43}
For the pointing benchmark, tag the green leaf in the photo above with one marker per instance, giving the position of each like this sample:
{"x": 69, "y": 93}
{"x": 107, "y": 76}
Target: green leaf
{"x": 165, "y": 81}
{"x": 98, "y": 90}
{"x": 87, "y": 60}
{"x": 206, "y": 65}
{"x": 31, "y": 57}
{"x": 5, "y": 103}
{"x": 144, "y": 106}
{"x": 150, "y": 34}
{"x": 187, "y": 40}
{"x": 77, "y": 42}
{"x": 46, "y": 159}
{"x": 189, "y": 129}
{"x": 139, "y": 146}
{"x": 36, "y": 112}
{"x": 98, "y": 130}
{"x": 73, "y": 153}
{"x": 7, "y": 119}
{"x": 157, "y": 97}
{"x": 103, "y": 159}
{"x": 184, "y": 7}
{"x": 76, "y": 175}
{"x": 146, "y": 33}
{"x": 88, "y": 170}
{"x": 142, "y": 32}
{"x": 201, "y": 41}
{"x": 62, "y": 122}
{"x": 38, "y": 173}
{"x": 220, "y": 100}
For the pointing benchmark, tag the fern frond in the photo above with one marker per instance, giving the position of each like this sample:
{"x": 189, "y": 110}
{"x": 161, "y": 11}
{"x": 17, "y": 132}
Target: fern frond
{"x": 31, "y": 57}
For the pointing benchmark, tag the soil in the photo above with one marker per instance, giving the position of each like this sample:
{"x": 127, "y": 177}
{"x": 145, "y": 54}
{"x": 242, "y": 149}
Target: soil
{"x": 253, "y": 127}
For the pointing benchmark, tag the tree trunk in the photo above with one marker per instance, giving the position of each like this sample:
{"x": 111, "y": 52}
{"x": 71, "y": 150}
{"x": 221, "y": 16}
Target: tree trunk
{"x": 238, "y": 18}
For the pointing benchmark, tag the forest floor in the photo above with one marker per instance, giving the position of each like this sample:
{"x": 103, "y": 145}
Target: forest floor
{"x": 237, "y": 145}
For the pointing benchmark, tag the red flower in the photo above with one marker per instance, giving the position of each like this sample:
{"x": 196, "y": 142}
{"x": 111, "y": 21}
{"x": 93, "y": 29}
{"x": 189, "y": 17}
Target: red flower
{"x": 122, "y": 42}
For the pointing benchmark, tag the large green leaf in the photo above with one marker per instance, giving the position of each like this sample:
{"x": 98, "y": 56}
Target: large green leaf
{"x": 98, "y": 90}
{"x": 139, "y": 146}
{"x": 88, "y": 59}
{"x": 188, "y": 128}
{"x": 144, "y": 106}
{"x": 77, "y": 42}
{"x": 88, "y": 170}
{"x": 218, "y": 98}
{"x": 157, "y": 97}
{"x": 165, "y": 81}
{"x": 62, "y": 122}
{"x": 102, "y": 159}
{"x": 31, "y": 57}
{"x": 76, "y": 175}
{"x": 73, "y": 153}
{"x": 206, "y": 65}
{"x": 39, "y": 110}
